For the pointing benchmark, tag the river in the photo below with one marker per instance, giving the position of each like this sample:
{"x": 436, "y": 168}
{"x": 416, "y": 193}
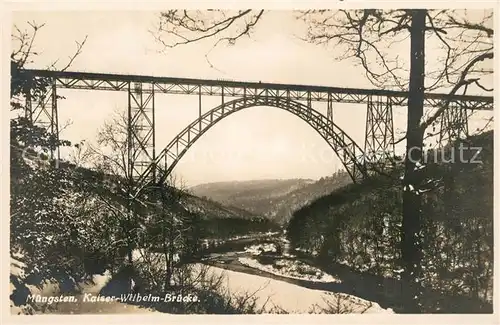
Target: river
{"x": 265, "y": 264}
{"x": 261, "y": 265}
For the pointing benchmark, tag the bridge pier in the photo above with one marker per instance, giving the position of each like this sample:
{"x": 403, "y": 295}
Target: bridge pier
{"x": 454, "y": 124}
{"x": 41, "y": 110}
{"x": 141, "y": 130}
{"x": 379, "y": 136}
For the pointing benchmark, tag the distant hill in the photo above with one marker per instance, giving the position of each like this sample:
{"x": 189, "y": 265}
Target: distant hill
{"x": 253, "y": 189}
{"x": 206, "y": 208}
{"x": 276, "y": 199}
{"x": 209, "y": 209}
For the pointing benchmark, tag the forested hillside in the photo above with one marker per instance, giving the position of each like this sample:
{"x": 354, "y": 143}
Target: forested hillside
{"x": 359, "y": 226}
{"x": 248, "y": 189}
{"x": 287, "y": 204}
{"x": 63, "y": 215}
{"x": 274, "y": 199}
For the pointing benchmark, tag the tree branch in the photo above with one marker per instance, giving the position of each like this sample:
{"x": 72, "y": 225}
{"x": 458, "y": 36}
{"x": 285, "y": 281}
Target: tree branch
{"x": 461, "y": 82}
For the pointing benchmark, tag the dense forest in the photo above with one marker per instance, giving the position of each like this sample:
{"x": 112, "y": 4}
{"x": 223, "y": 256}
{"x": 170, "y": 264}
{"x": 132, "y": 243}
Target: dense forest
{"x": 275, "y": 199}
{"x": 359, "y": 226}
{"x": 70, "y": 206}
{"x": 72, "y": 221}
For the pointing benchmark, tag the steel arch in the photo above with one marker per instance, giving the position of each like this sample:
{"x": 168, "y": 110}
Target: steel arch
{"x": 349, "y": 153}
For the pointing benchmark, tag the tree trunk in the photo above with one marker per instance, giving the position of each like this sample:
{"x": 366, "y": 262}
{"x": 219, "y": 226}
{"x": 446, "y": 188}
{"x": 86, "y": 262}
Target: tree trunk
{"x": 165, "y": 239}
{"x": 411, "y": 243}
{"x": 128, "y": 230}
{"x": 170, "y": 270}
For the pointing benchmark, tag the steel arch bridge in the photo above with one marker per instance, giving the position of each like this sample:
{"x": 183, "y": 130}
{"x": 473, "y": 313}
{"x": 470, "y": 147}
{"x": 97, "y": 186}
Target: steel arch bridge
{"x": 349, "y": 153}
{"x": 145, "y": 166}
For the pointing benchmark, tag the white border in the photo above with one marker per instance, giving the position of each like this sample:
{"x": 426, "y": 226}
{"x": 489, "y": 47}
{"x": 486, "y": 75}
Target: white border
{"x": 8, "y": 7}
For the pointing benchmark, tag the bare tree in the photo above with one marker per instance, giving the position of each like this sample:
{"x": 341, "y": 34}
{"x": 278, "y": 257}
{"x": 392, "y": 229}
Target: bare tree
{"x": 59, "y": 208}
{"x": 362, "y": 34}
{"x": 24, "y": 54}
{"x": 163, "y": 221}
{"x": 459, "y": 42}
{"x": 109, "y": 157}
{"x": 167, "y": 229}
{"x": 369, "y": 36}
{"x": 181, "y": 27}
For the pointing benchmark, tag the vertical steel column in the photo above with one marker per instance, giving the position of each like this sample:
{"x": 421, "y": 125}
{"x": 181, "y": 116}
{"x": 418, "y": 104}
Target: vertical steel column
{"x": 309, "y": 104}
{"x": 153, "y": 111}
{"x": 199, "y": 108}
{"x": 127, "y": 226}
{"x": 329, "y": 109}
{"x": 369, "y": 139}
{"x": 54, "y": 123}
{"x": 379, "y": 137}
{"x": 130, "y": 148}
{"x": 28, "y": 107}
{"x": 130, "y": 171}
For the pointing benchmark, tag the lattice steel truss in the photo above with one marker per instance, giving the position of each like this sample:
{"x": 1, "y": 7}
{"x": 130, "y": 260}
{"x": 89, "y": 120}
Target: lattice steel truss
{"x": 186, "y": 86}
{"x": 379, "y": 135}
{"x": 141, "y": 133}
{"x": 41, "y": 110}
{"x": 454, "y": 124}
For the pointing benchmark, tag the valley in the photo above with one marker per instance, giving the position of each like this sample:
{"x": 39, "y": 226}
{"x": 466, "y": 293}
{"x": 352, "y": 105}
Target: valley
{"x": 276, "y": 199}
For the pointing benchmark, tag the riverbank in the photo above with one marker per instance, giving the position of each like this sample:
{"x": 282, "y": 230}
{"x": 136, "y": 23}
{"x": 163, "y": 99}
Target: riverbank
{"x": 272, "y": 259}
{"x": 289, "y": 292}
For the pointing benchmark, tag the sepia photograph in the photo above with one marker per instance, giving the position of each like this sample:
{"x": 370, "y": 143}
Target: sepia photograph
{"x": 251, "y": 161}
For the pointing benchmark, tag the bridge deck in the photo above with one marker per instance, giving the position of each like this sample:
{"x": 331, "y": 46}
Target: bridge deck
{"x": 171, "y": 85}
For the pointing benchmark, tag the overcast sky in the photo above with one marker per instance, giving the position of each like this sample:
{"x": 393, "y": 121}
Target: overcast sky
{"x": 259, "y": 142}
